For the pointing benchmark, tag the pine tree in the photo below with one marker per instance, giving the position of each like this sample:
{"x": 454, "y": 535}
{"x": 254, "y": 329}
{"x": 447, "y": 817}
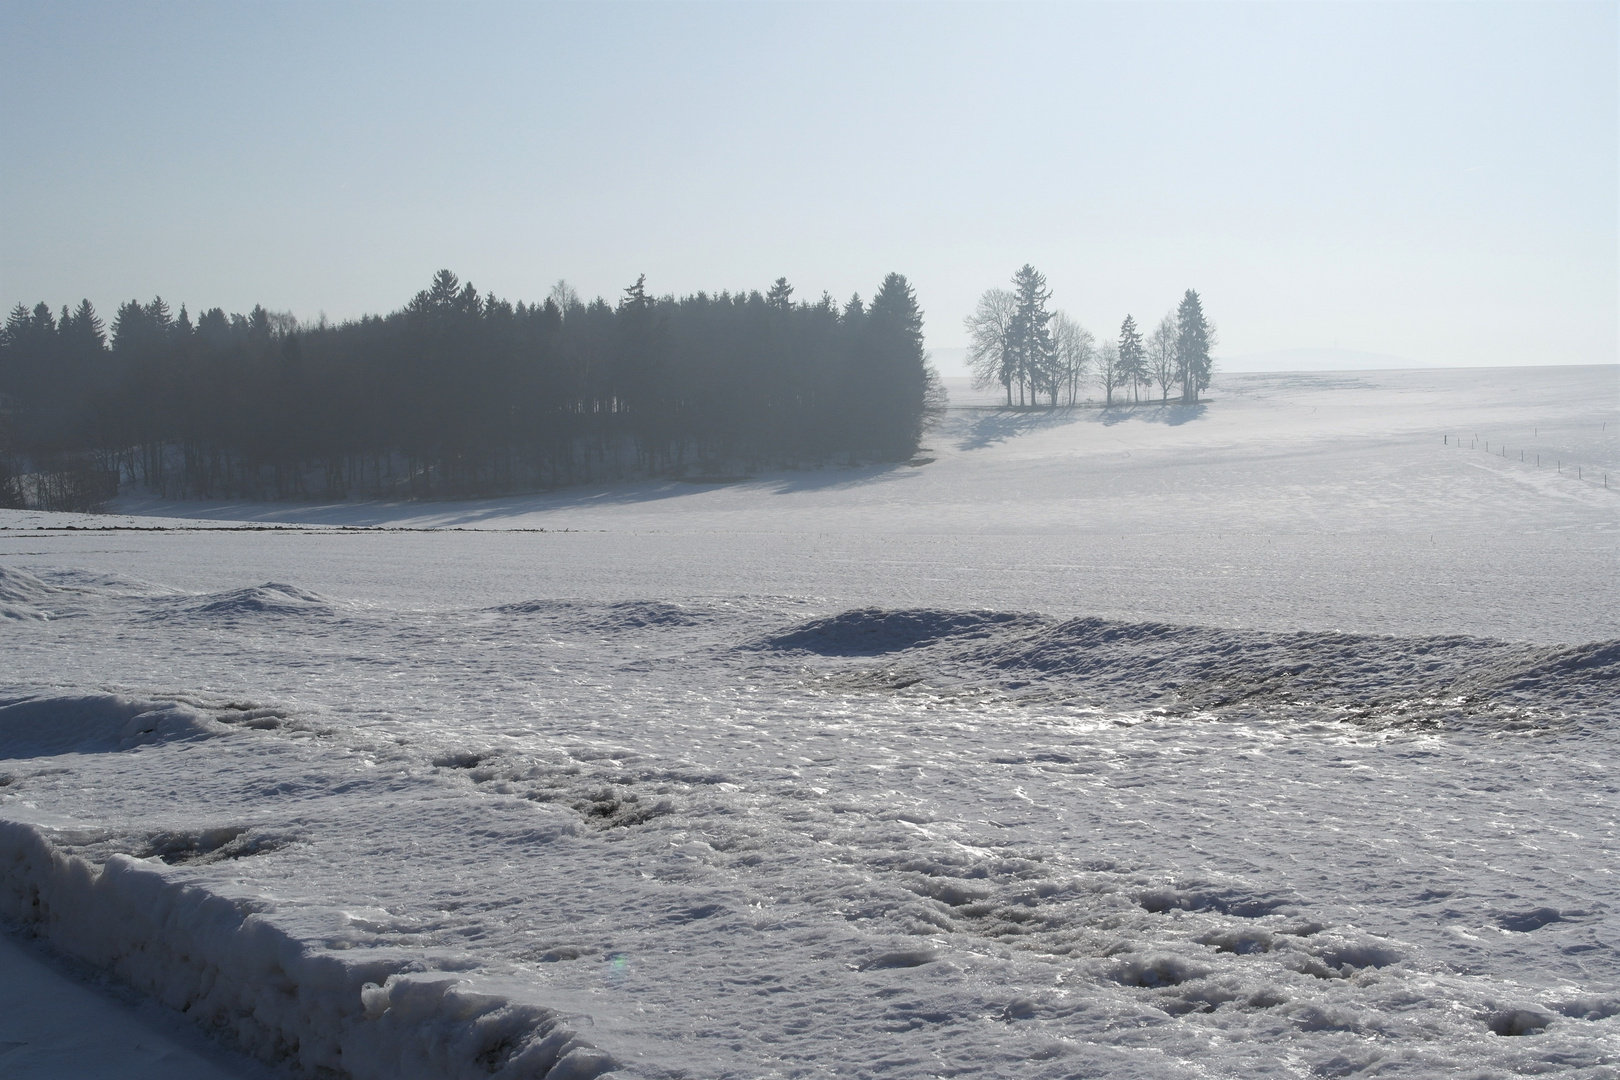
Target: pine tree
{"x": 635, "y": 296}
{"x": 1192, "y": 348}
{"x": 1029, "y": 337}
{"x": 781, "y": 294}
{"x": 894, "y": 383}
{"x": 131, "y": 329}
{"x": 1132, "y": 357}
{"x": 84, "y": 330}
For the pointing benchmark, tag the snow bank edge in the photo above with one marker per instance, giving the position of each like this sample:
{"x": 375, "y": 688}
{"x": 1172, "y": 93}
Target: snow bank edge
{"x": 228, "y": 967}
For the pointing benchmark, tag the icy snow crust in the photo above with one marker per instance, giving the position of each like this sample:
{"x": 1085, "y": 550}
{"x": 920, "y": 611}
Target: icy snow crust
{"x": 468, "y": 805}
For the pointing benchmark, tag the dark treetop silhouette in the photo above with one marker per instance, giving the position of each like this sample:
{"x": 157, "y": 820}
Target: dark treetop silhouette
{"x": 456, "y": 393}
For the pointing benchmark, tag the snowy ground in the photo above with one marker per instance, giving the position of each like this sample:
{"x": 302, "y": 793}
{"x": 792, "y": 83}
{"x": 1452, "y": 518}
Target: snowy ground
{"x": 1273, "y": 739}
{"x": 64, "y": 1021}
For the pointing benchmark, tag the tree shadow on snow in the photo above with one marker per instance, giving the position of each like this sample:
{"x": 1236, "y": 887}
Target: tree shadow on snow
{"x": 634, "y": 492}
{"x": 1003, "y": 424}
{"x": 1173, "y": 414}
{"x": 998, "y": 426}
{"x": 451, "y": 512}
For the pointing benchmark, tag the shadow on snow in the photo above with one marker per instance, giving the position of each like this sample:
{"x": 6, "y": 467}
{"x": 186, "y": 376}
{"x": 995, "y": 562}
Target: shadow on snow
{"x": 476, "y": 510}
{"x": 1002, "y": 424}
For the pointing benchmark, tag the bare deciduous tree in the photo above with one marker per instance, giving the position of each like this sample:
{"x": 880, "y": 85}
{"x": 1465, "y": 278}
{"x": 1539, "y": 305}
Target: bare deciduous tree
{"x": 988, "y": 328}
{"x": 1161, "y": 353}
{"x": 1075, "y": 349}
{"x": 1109, "y": 374}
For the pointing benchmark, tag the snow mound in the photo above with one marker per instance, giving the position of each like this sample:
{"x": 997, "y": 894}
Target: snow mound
{"x": 21, "y": 587}
{"x": 63, "y": 592}
{"x": 874, "y": 631}
{"x": 95, "y": 724}
{"x": 361, "y": 1013}
{"x": 1201, "y": 668}
{"x": 271, "y": 598}
{"x": 22, "y": 594}
{"x": 1561, "y": 671}
{"x": 607, "y": 618}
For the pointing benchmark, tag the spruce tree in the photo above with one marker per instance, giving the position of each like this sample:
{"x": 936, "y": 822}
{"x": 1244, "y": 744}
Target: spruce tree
{"x": 896, "y": 375}
{"x": 1029, "y": 336}
{"x": 780, "y": 295}
{"x": 1192, "y": 348}
{"x": 1132, "y": 357}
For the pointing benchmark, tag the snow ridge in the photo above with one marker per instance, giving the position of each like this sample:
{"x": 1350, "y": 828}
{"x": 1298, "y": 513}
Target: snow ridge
{"x": 22, "y": 595}
{"x": 96, "y": 723}
{"x": 271, "y": 598}
{"x": 1201, "y": 668}
{"x": 362, "y": 1013}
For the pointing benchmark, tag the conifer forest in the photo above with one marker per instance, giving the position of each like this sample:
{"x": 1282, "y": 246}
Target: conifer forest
{"x": 456, "y": 393}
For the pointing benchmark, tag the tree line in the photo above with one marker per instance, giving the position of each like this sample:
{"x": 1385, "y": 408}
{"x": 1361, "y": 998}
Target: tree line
{"x": 1016, "y": 342}
{"x": 455, "y": 393}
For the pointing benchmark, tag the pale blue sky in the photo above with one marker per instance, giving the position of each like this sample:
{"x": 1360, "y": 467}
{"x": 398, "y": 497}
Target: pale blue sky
{"x": 1432, "y": 181}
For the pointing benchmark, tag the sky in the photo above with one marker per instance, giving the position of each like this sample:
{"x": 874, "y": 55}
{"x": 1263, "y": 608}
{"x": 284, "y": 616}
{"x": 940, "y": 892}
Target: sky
{"x": 1431, "y": 182}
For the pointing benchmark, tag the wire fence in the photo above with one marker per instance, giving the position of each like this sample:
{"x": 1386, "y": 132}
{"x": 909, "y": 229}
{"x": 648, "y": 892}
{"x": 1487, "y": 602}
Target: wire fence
{"x": 1565, "y": 465}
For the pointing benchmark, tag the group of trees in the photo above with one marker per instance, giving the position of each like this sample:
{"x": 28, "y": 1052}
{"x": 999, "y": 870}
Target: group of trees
{"x": 1015, "y": 342}
{"x": 456, "y": 392}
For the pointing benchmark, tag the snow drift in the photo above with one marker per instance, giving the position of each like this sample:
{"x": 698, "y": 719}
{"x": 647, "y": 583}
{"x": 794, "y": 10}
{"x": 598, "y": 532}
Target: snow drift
{"x": 360, "y": 1013}
{"x": 95, "y": 723}
{"x": 271, "y": 598}
{"x": 24, "y": 596}
{"x": 1201, "y": 668}
{"x": 107, "y": 897}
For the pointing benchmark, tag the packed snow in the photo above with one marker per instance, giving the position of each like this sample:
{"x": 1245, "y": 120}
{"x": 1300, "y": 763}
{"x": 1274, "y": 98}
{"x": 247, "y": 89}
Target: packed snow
{"x": 1275, "y": 737}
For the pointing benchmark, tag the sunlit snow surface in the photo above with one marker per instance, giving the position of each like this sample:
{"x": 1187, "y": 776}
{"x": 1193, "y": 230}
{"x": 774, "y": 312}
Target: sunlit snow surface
{"x": 1277, "y": 739}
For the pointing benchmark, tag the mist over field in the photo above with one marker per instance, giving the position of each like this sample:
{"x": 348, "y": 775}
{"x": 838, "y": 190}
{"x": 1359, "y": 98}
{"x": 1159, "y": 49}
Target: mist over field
{"x": 899, "y": 541}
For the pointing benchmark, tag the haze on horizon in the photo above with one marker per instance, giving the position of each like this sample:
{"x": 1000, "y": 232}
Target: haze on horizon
{"x": 1433, "y": 182}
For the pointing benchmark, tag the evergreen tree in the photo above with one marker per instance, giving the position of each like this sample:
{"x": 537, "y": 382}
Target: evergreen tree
{"x": 1192, "y": 348}
{"x": 635, "y": 296}
{"x": 458, "y": 392}
{"x": 158, "y": 316}
{"x": 895, "y": 381}
{"x": 1029, "y": 337}
{"x": 83, "y": 330}
{"x": 1132, "y": 357}
{"x": 781, "y": 294}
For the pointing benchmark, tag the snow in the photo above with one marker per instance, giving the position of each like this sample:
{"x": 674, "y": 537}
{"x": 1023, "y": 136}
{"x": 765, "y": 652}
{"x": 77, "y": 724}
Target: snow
{"x": 1274, "y": 738}
{"x": 54, "y": 1026}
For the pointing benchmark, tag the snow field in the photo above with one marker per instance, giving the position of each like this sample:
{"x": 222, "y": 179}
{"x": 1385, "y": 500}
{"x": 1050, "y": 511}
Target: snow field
{"x": 1249, "y": 745}
{"x": 935, "y": 853}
